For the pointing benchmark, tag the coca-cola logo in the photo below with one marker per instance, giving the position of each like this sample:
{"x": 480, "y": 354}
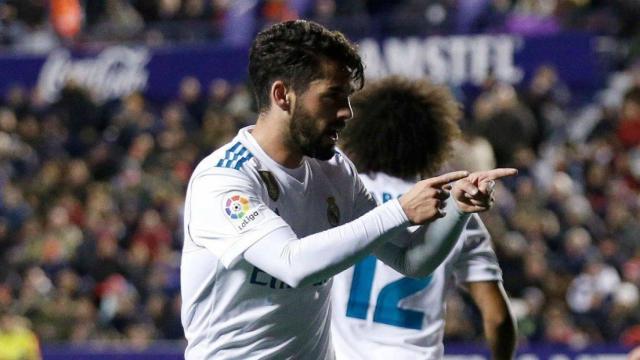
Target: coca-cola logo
{"x": 115, "y": 72}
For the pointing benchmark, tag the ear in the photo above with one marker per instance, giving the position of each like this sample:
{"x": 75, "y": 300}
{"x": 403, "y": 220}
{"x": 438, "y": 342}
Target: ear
{"x": 281, "y": 95}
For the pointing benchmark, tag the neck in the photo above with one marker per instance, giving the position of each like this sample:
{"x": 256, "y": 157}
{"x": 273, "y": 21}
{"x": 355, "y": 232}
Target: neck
{"x": 270, "y": 133}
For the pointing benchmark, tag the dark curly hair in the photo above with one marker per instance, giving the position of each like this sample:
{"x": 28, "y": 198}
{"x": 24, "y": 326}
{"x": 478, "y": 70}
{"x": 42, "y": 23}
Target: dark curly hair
{"x": 293, "y": 52}
{"x": 401, "y": 127}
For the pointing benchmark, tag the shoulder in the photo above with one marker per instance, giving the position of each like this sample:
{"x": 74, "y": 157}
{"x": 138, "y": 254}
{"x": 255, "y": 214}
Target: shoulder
{"x": 231, "y": 156}
{"x": 475, "y": 237}
{"x": 228, "y": 164}
{"x": 475, "y": 227}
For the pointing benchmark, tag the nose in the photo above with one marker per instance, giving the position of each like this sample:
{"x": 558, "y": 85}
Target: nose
{"x": 345, "y": 112}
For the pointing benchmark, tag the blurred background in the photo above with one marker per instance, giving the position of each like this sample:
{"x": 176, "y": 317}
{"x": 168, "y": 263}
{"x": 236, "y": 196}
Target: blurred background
{"x": 106, "y": 107}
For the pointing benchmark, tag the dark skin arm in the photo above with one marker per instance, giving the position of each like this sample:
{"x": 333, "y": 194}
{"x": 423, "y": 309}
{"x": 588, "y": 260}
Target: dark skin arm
{"x": 498, "y": 322}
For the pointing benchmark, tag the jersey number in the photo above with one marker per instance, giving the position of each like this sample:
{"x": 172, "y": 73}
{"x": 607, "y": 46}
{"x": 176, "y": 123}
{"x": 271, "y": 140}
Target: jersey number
{"x": 387, "y": 310}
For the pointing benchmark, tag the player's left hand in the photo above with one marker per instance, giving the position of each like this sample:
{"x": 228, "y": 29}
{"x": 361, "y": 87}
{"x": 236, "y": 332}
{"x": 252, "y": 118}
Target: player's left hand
{"x": 475, "y": 193}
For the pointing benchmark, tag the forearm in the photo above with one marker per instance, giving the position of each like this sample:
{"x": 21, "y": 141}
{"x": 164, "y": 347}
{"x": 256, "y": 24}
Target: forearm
{"x": 501, "y": 337}
{"x": 429, "y": 245}
{"x": 499, "y": 325}
{"x": 300, "y": 262}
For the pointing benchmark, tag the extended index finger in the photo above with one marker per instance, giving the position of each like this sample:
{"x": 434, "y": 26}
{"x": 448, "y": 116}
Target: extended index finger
{"x": 447, "y": 178}
{"x": 496, "y": 174}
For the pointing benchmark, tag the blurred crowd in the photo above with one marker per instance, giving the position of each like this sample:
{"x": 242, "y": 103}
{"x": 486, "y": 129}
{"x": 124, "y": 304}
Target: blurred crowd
{"x": 566, "y": 228}
{"x": 91, "y": 207}
{"x": 90, "y": 210}
{"x": 39, "y": 25}
{"x": 91, "y": 193}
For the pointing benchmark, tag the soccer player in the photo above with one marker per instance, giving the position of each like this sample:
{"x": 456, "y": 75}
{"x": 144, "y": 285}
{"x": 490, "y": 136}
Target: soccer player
{"x": 270, "y": 217}
{"x": 377, "y": 312}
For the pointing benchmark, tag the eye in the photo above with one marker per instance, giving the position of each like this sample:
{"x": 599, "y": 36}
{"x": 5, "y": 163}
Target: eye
{"x": 331, "y": 96}
{"x": 338, "y": 95}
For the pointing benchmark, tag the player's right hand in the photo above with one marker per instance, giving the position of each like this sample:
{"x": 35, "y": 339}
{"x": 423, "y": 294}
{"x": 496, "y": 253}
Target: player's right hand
{"x": 475, "y": 193}
{"x": 426, "y": 199}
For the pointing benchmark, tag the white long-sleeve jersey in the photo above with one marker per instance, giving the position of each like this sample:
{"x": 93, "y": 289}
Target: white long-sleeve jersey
{"x": 377, "y": 313}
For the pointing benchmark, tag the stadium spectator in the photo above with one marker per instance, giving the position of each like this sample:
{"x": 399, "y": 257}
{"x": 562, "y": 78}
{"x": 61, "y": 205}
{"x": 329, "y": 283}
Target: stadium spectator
{"x": 17, "y": 341}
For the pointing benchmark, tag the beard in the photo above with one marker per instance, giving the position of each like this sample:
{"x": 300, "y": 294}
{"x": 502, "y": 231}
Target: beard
{"x": 306, "y": 138}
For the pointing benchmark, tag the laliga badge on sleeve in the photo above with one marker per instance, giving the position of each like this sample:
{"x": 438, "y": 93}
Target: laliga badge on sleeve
{"x": 241, "y": 212}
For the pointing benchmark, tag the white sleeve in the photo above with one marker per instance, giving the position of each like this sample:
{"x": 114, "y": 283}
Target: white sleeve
{"x": 477, "y": 260}
{"x": 428, "y": 246}
{"x": 319, "y": 256}
{"x": 224, "y": 214}
{"x": 362, "y": 199}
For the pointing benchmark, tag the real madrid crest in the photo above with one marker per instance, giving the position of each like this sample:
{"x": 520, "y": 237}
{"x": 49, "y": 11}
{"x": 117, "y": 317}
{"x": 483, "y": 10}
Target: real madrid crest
{"x": 272, "y": 185}
{"x": 333, "y": 211}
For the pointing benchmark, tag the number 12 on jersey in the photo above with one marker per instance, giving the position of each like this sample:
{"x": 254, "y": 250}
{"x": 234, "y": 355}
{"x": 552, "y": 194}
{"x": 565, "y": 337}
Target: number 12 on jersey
{"x": 387, "y": 310}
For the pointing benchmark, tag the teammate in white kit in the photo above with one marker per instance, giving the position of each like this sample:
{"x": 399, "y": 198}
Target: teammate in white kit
{"x": 270, "y": 217}
{"x": 377, "y": 312}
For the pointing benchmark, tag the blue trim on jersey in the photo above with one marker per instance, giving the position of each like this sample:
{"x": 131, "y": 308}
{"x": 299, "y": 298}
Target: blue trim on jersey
{"x": 235, "y": 157}
{"x": 242, "y": 161}
{"x": 234, "y": 147}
